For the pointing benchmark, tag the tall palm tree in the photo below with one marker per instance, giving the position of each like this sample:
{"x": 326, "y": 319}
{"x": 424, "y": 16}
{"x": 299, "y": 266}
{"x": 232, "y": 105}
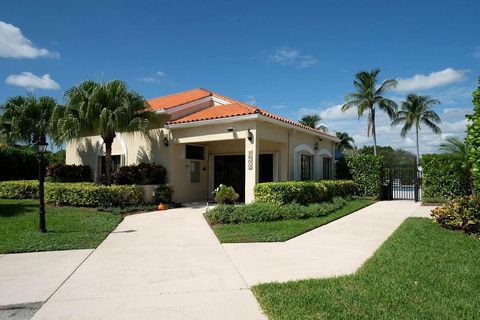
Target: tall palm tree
{"x": 101, "y": 109}
{"x": 459, "y": 151}
{"x": 415, "y": 111}
{"x": 367, "y": 96}
{"x": 312, "y": 121}
{"x": 26, "y": 118}
{"x": 346, "y": 142}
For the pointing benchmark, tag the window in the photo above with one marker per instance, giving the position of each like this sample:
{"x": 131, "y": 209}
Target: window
{"x": 327, "y": 168}
{"x": 305, "y": 167}
{"x": 194, "y": 152}
{"x": 116, "y": 161}
{"x": 194, "y": 171}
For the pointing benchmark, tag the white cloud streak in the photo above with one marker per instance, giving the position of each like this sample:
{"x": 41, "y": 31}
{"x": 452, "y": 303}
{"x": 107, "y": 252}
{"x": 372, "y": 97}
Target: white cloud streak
{"x": 31, "y": 81}
{"x": 13, "y": 44}
{"x": 432, "y": 80}
{"x": 292, "y": 57}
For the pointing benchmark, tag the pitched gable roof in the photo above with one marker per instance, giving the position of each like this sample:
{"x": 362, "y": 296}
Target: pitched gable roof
{"x": 232, "y": 108}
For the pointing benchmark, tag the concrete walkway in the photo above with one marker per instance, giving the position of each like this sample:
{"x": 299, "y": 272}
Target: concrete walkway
{"x": 338, "y": 248}
{"x": 165, "y": 265}
{"x": 29, "y": 279}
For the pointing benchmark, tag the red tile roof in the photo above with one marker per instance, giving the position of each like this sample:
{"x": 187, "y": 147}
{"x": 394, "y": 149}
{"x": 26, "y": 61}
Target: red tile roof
{"x": 177, "y": 99}
{"x": 234, "y": 108}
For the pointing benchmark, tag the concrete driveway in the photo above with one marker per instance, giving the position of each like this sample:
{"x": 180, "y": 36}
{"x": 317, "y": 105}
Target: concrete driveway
{"x": 165, "y": 265}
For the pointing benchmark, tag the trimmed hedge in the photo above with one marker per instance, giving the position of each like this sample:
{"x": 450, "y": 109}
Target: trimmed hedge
{"x": 261, "y": 211}
{"x": 367, "y": 174}
{"x": 143, "y": 173}
{"x": 443, "y": 177}
{"x": 69, "y": 173}
{"x": 75, "y": 194}
{"x": 473, "y": 138}
{"x": 302, "y": 192}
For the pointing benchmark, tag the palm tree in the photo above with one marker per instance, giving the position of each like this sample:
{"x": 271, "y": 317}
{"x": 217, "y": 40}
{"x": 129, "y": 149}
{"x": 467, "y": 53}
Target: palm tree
{"x": 346, "y": 142}
{"x": 367, "y": 95}
{"x": 101, "y": 109}
{"x": 415, "y": 111}
{"x": 312, "y": 121}
{"x": 459, "y": 151}
{"x": 27, "y": 118}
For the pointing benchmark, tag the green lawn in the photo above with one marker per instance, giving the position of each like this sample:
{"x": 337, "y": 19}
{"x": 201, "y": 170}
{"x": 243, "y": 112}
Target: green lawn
{"x": 68, "y": 228}
{"x": 281, "y": 230}
{"x": 421, "y": 272}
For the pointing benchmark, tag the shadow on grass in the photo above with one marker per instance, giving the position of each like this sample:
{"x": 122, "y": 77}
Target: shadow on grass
{"x": 13, "y": 209}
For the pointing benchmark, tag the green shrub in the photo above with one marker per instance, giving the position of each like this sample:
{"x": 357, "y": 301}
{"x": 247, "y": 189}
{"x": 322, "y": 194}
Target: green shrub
{"x": 69, "y": 173}
{"x": 460, "y": 213}
{"x": 367, "y": 174}
{"x": 225, "y": 195}
{"x": 163, "y": 194}
{"x": 18, "y": 163}
{"x": 75, "y": 194}
{"x": 443, "y": 177}
{"x": 302, "y": 192}
{"x": 341, "y": 169}
{"x": 262, "y": 212}
{"x": 143, "y": 173}
{"x": 473, "y": 138}
{"x": 19, "y": 189}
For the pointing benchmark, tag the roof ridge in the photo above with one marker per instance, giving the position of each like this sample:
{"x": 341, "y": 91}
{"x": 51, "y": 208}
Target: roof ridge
{"x": 177, "y": 93}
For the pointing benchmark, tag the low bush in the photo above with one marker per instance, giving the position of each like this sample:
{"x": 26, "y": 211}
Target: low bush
{"x": 261, "y": 211}
{"x": 367, "y": 174}
{"x": 74, "y": 194}
{"x": 143, "y": 173}
{"x": 460, "y": 213}
{"x": 302, "y": 192}
{"x": 163, "y": 194}
{"x": 69, "y": 173}
{"x": 225, "y": 195}
{"x": 443, "y": 176}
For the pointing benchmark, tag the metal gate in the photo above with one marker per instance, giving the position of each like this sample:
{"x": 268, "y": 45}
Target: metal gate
{"x": 402, "y": 182}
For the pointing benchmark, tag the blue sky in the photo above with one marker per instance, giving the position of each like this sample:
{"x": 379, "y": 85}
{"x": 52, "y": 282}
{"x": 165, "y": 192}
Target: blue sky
{"x": 291, "y": 58}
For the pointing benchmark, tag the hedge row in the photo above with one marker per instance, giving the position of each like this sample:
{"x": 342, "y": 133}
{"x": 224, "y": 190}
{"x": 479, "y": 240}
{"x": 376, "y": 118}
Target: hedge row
{"x": 261, "y": 211}
{"x": 69, "y": 173}
{"x": 302, "y": 192}
{"x": 75, "y": 194}
{"x": 367, "y": 174}
{"x": 443, "y": 177}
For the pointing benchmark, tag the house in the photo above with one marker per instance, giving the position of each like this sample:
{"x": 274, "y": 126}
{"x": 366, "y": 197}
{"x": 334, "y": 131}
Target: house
{"x": 204, "y": 139}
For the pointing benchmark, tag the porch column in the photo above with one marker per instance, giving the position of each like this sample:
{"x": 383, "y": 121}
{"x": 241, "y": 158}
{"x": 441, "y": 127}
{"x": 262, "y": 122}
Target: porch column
{"x": 252, "y": 149}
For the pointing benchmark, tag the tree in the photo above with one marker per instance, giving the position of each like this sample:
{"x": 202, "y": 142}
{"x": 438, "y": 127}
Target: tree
{"x": 458, "y": 150}
{"x": 27, "y": 118}
{"x": 415, "y": 111}
{"x": 391, "y": 156}
{"x": 312, "y": 121}
{"x": 473, "y": 138}
{"x": 101, "y": 109}
{"x": 346, "y": 142}
{"x": 367, "y": 96}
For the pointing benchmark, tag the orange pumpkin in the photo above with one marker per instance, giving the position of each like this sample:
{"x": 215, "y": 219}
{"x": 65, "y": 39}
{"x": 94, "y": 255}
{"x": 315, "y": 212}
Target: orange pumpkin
{"x": 162, "y": 206}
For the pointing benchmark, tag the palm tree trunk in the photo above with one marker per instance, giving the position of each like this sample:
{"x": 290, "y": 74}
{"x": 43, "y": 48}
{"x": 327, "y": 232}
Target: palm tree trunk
{"x": 374, "y": 132}
{"x": 418, "y": 148}
{"x": 108, "y": 160}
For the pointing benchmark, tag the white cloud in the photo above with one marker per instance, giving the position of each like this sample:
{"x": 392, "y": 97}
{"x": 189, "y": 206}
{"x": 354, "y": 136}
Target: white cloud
{"x": 32, "y": 81}
{"x": 432, "y": 80}
{"x": 292, "y": 57}
{"x": 251, "y": 100}
{"x": 156, "y": 77}
{"x": 14, "y": 45}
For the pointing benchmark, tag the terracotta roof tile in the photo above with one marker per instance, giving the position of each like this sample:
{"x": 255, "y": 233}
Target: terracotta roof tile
{"x": 178, "y": 99}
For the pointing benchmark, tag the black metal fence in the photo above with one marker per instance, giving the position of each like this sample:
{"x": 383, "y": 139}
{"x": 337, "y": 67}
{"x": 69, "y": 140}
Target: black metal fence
{"x": 402, "y": 182}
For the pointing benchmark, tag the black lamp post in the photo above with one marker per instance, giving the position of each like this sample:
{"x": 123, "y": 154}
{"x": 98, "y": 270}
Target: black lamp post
{"x": 41, "y": 146}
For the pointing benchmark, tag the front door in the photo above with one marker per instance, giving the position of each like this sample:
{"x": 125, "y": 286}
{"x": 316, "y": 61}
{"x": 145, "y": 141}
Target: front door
{"x": 230, "y": 171}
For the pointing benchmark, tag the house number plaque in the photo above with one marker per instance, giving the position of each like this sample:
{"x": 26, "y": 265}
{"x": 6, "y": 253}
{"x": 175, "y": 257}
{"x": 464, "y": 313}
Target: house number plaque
{"x": 250, "y": 160}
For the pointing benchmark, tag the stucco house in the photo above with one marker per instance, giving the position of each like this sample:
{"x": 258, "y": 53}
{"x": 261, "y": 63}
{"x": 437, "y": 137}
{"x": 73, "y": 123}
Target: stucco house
{"x": 204, "y": 139}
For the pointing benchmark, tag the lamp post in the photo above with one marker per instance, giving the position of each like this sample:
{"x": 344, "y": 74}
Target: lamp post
{"x": 41, "y": 146}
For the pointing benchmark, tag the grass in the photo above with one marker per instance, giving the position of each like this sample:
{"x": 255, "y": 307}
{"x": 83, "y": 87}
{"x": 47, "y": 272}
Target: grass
{"x": 281, "y": 230}
{"x": 421, "y": 272}
{"x": 68, "y": 227}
